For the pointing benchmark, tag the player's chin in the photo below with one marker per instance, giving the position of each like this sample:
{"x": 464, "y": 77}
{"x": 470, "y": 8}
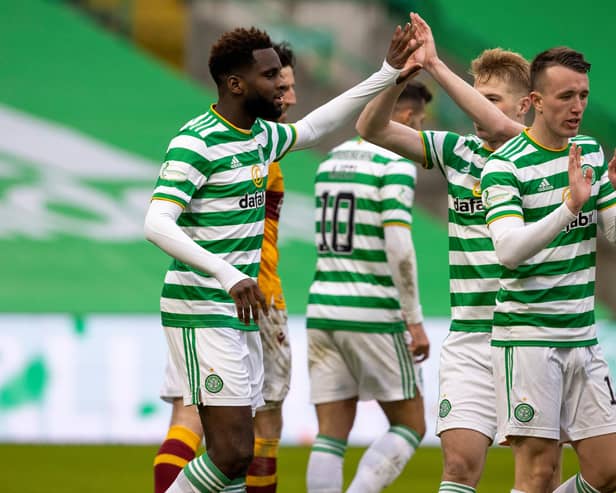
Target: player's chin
{"x": 570, "y": 129}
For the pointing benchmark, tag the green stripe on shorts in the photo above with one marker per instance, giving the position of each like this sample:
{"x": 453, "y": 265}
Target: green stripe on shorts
{"x": 406, "y": 366}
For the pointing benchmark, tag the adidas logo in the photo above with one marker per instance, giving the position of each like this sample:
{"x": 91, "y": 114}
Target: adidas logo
{"x": 544, "y": 186}
{"x": 235, "y": 163}
{"x": 466, "y": 169}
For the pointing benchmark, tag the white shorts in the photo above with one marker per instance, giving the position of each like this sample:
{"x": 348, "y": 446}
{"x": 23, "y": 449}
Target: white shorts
{"x": 345, "y": 364}
{"x": 562, "y": 394}
{"x": 172, "y": 382}
{"x": 466, "y": 386}
{"x": 216, "y": 366}
{"x": 276, "y": 357}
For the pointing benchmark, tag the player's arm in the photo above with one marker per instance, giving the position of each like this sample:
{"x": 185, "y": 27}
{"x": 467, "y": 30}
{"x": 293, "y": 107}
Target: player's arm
{"x": 403, "y": 265}
{"x": 611, "y": 170}
{"x": 397, "y": 193}
{"x": 474, "y": 104}
{"x": 514, "y": 240}
{"x": 375, "y": 125}
{"x": 161, "y": 229}
{"x": 343, "y": 108}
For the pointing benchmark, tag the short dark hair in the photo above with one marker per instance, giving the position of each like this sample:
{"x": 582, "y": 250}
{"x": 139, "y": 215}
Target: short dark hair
{"x": 417, "y": 92}
{"x": 561, "y": 55}
{"x": 285, "y": 53}
{"x": 234, "y": 49}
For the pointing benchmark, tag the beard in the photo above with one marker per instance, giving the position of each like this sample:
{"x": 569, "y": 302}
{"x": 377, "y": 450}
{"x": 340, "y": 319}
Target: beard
{"x": 259, "y": 107}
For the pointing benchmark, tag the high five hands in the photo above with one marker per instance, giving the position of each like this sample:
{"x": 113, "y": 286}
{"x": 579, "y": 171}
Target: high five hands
{"x": 403, "y": 45}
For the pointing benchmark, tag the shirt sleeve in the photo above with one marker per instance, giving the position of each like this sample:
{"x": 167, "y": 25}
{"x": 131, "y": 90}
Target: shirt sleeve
{"x": 500, "y": 187}
{"x": 184, "y": 170}
{"x": 607, "y": 194}
{"x": 606, "y": 206}
{"x": 439, "y": 148}
{"x": 397, "y": 193}
{"x": 282, "y": 138}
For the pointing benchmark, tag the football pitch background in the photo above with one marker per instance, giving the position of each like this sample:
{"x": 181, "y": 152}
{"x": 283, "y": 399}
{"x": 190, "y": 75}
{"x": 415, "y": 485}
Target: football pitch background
{"x": 128, "y": 469}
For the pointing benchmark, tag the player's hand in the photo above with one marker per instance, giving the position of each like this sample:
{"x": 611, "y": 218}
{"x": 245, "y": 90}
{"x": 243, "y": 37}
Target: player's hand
{"x": 411, "y": 68}
{"x": 248, "y": 299}
{"x": 402, "y": 45}
{"x": 579, "y": 183}
{"x": 420, "y": 345}
{"x": 611, "y": 170}
{"x": 423, "y": 35}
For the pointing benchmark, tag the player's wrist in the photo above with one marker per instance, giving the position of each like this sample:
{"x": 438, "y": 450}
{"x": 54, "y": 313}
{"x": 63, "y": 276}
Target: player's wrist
{"x": 573, "y": 207}
{"x": 433, "y": 64}
{"x": 390, "y": 71}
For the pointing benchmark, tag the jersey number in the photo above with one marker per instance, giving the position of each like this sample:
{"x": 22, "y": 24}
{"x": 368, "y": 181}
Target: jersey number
{"x": 335, "y": 240}
{"x": 609, "y": 387}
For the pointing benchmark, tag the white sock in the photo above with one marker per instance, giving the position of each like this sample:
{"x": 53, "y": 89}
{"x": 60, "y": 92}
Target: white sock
{"x": 384, "y": 460}
{"x": 200, "y": 475}
{"x": 576, "y": 484}
{"x": 181, "y": 485}
{"x": 453, "y": 487}
{"x": 324, "y": 474}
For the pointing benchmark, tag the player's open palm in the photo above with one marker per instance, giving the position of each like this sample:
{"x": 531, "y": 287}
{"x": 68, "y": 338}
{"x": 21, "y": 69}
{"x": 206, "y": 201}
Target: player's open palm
{"x": 580, "y": 180}
{"x": 423, "y": 34}
{"x": 611, "y": 170}
{"x": 420, "y": 344}
{"x": 248, "y": 300}
{"x": 402, "y": 45}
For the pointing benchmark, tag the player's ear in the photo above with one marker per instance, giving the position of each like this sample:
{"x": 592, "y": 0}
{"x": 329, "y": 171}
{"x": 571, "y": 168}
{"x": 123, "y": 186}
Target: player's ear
{"x": 404, "y": 115}
{"x": 235, "y": 84}
{"x": 524, "y": 105}
{"x": 536, "y": 99}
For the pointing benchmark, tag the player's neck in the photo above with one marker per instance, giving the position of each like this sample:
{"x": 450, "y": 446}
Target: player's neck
{"x": 234, "y": 114}
{"x": 542, "y": 135}
{"x": 492, "y": 145}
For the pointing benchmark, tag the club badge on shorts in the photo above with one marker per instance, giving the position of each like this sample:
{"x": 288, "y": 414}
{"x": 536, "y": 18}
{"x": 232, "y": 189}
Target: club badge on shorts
{"x": 213, "y": 383}
{"x": 524, "y": 412}
{"x": 444, "y": 408}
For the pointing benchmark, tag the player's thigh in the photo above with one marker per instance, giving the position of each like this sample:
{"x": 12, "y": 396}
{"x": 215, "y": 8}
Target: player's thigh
{"x": 467, "y": 397}
{"x": 381, "y": 364}
{"x": 330, "y": 377}
{"x": 597, "y": 458}
{"x": 336, "y": 418}
{"x": 589, "y": 407}
{"x": 229, "y": 436}
{"x": 536, "y": 459}
{"x": 274, "y": 333}
{"x": 529, "y": 391}
{"x": 186, "y": 416}
{"x": 220, "y": 366}
{"x": 464, "y": 454}
{"x": 407, "y": 412}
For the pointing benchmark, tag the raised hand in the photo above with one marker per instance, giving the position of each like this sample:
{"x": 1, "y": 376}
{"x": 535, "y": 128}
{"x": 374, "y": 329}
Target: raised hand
{"x": 248, "y": 298}
{"x": 423, "y": 36}
{"x": 580, "y": 182}
{"x": 402, "y": 45}
{"x": 420, "y": 344}
{"x": 611, "y": 170}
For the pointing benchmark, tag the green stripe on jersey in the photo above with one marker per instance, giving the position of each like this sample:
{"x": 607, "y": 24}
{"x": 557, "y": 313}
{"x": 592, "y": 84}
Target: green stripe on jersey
{"x": 474, "y": 273}
{"x": 219, "y": 174}
{"x": 549, "y": 299}
{"x": 359, "y": 188}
